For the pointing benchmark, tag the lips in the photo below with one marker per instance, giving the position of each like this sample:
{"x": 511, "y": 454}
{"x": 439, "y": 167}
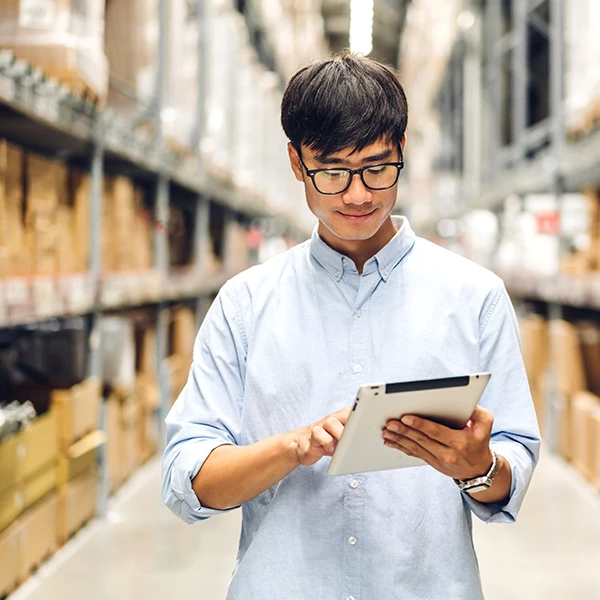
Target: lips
{"x": 357, "y": 218}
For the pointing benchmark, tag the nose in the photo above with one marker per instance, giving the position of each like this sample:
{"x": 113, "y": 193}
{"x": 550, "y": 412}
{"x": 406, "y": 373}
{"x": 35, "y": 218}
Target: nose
{"x": 357, "y": 194}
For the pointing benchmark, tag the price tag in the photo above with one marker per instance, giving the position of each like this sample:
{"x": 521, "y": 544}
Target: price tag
{"x": 37, "y": 14}
{"x": 7, "y": 88}
{"x": 46, "y": 298}
{"x": 46, "y": 107}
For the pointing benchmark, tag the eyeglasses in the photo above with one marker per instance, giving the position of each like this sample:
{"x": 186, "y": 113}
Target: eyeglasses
{"x": 336, "y": 181}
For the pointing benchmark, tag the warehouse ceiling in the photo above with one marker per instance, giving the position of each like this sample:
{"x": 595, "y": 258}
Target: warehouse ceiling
{"x": 388, "y": 23}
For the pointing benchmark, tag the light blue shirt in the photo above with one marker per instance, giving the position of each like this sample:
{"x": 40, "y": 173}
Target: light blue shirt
{"x": 290, "y": 341}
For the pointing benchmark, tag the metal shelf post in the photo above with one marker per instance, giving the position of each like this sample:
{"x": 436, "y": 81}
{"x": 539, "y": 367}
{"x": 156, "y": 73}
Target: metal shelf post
{"x": 95, "y": 340}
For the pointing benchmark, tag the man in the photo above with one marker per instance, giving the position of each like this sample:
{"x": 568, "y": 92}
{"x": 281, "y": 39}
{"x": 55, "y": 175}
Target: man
{"x": 286, "y": 345}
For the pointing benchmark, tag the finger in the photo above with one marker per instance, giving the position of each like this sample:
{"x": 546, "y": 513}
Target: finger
{"x": 411, "y": 448}
{"x": 481, "y": 422}
{"x": 319, "y": 437}
{"x": 418, "y": 437}
{"x": 419, "y": 428}
{"x": 343, "y": 414}
{"x": 334, "y": 427}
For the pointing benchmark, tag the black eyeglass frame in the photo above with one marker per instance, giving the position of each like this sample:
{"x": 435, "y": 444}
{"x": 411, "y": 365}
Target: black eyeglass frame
{"x": 312, "y": 172}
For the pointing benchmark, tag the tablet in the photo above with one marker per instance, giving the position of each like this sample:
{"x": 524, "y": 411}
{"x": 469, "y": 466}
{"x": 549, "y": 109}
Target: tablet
{"x": 450, "y": 401}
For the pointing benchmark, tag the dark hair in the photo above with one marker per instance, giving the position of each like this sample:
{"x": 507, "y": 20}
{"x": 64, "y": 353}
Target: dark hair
{"x": 341, "y": 102}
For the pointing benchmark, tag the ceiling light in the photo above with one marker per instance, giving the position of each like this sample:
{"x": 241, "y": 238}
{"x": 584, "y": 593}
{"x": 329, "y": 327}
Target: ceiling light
{"x": 361, "y": 26}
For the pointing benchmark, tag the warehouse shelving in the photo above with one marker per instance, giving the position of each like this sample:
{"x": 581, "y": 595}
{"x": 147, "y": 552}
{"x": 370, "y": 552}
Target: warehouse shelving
{"x": 43, "y": 116}
{"x": 508, "y": 71}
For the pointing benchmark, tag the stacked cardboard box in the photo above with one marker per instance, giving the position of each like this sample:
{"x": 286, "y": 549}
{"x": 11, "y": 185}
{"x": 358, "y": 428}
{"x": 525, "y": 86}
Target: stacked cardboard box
{"x": 569, "y": 369}
{"x": 64, "y": 38}
{"x": 131, "y": 36}
{"x": 123, "y": 429}
{"x": 78, "y": 484}
{"x": 147, "y": 390}
{"x": 127, "y": 227}
{"x": 535, "y": 341}
{"x": 28, "y": 507}
{"x": 181, "y": 347}
{"x": 586, "y": 436}
{"x": 13, "y": 259}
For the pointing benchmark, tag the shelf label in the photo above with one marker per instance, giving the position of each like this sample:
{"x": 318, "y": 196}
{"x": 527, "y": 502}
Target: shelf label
{"x": 46, "y": 298}
{"x": 37, "y": 14}
{"x": 7, "y": 88}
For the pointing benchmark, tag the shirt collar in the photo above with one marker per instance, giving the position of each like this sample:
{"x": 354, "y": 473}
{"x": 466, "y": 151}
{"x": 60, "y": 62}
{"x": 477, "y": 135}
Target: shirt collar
{"x": 383, "y": 262}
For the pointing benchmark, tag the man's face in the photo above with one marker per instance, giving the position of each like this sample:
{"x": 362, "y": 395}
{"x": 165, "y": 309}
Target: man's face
{"x": 359, "y": 212}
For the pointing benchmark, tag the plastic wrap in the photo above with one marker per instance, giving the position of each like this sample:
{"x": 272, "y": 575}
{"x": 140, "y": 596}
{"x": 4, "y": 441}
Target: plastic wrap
{"x": 64, "y": 38}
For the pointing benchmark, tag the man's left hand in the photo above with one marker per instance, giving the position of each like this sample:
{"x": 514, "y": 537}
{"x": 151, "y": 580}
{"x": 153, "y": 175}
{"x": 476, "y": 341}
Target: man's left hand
{"x": 461, "y": 454}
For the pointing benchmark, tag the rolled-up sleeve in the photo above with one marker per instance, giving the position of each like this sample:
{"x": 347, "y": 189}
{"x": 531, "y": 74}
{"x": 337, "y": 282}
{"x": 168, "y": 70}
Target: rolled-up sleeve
{"x": 207, "y": 413}
{"x": 515, "y": 433}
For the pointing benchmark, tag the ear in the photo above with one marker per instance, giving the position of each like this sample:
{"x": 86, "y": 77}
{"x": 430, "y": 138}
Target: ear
{"x": 403, "y": 142}
{"x": 295, "y": 162}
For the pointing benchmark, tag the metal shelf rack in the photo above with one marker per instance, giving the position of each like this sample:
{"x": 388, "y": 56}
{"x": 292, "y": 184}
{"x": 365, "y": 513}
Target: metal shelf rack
{"x": 41, "y": 115}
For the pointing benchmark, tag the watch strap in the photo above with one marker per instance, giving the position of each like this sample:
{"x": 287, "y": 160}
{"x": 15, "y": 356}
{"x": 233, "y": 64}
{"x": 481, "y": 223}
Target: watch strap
{"x": 479, "y": 484}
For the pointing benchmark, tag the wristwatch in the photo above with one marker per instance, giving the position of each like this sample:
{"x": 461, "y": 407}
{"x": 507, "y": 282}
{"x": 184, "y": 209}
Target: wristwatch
{"x": 480, "y": 484}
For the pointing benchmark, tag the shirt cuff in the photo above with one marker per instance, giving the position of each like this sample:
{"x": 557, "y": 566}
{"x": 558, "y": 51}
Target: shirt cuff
{"x": 521, "y": 466}
{"x": 185, "y": 503}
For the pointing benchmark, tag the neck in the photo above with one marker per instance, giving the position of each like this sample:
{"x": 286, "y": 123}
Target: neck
{"x": 360, "y": 251}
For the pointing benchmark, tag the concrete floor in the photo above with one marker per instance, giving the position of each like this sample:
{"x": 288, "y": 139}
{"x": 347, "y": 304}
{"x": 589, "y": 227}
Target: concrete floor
{"x": 142, "y": 551}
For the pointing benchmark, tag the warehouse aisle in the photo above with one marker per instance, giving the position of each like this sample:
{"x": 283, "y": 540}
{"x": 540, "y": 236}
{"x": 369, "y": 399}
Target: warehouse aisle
{"x": 142, "y": 551}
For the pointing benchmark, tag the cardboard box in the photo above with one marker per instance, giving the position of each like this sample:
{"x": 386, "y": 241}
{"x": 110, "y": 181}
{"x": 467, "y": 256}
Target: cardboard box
{"x": 179, "y": 368}
{"x": 564, "y": 415}
{"x": 39, "y": 535}
{"x": 146, "y": 350}
{"x": 538, "y": 394}
{"x": 78, "y": 411}
{"x": 12, "y": 504}
{"x": 535, "y": 343}
{"x": 77, "y": 503}
{"x": 583, "y": 434}
{"x": 183, "y": 331}
{"x": 123, "y": 440}
{"x": 12, "y": 227}
{"x": 40, "y": 444}
{"x": 589, "y": 336}
{"x": 148, "y": 436}
{"x": 567, "y": 358}
{"x": 80, "y": 457}
{"x": 40, "y": 484}
{"x": 10, "y": 542}
{"x": 11, "y": 451}
{"x": 79, "y": 190}
{"x": 147, "y": 390}
{"x": 26, "y": 492}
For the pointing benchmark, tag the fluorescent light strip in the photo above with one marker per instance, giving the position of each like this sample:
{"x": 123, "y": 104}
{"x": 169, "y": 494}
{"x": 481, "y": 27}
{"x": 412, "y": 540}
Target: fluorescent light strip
{"x": 361, "y": 26}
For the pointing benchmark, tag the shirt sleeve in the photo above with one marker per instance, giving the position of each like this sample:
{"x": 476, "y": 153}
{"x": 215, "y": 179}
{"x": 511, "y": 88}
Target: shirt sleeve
{"x": 515, "y": 433}
{"x": 207, "y": 413}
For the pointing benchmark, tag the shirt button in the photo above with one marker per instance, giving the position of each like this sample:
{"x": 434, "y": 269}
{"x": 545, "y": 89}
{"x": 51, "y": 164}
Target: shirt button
{"x": 352, "y": 540}
{"x": 384, "y": 272}
{"x": 345, "y": 262}
{"x": 350, "y": 598}
{"x": 354, "y": 484}
{"x": 359, "y": 313}
{"x": 357, "y": 368}
{"x": 338, "y": 273}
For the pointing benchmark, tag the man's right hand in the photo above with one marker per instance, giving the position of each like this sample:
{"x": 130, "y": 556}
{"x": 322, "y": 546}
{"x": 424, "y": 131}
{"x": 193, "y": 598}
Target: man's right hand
{"x": 320, "y": 439}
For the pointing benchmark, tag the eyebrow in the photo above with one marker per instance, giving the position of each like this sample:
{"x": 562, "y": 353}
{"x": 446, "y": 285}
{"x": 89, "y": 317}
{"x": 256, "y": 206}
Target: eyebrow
{"x": 333, "y": 160}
